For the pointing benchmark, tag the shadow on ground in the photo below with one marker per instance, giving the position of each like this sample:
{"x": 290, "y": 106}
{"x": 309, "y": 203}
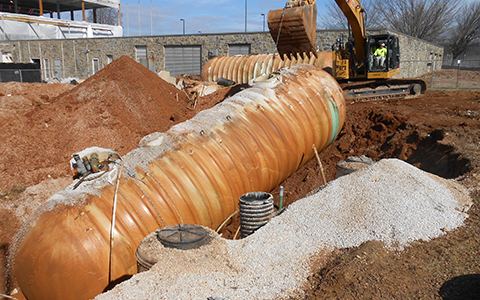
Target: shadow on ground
{"x": 464, "y": 287}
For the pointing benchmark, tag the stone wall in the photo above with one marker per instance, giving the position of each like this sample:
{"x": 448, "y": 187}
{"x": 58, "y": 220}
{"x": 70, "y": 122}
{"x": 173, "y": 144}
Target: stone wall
{"x": 418, "y": 57}
{"x": 75, "y": 56}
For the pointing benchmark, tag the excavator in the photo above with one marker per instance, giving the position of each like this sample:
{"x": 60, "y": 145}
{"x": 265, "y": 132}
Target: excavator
{"x": 360, "y": 66}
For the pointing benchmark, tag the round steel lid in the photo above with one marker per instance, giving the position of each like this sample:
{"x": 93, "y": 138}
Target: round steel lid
{"x": 182, "y": 236}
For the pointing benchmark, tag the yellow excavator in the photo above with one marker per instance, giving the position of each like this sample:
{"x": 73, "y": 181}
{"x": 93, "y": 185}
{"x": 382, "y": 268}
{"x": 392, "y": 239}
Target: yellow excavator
{"x": 363, "y": 64}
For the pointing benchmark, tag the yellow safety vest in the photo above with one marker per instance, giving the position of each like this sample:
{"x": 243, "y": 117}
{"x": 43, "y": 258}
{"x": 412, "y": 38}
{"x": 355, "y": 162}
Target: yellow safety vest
{"x": 381, "y": 52}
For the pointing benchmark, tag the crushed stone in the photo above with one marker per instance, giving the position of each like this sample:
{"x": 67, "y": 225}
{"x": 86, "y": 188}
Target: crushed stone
{"x": 390, "y": 201}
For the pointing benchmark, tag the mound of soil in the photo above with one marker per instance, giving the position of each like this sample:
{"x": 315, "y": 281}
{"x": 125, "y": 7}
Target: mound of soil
{"x": 114, "y": 109}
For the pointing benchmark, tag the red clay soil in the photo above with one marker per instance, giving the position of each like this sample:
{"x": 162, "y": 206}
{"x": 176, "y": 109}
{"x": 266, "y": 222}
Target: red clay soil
{"x": 438, "y": 132}
{"x": 42, "y": 125}
{"x": 113, "y": 109}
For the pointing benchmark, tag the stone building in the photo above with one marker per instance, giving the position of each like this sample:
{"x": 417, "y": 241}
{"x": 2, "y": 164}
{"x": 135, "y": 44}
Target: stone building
{"x": 185, "y": 54}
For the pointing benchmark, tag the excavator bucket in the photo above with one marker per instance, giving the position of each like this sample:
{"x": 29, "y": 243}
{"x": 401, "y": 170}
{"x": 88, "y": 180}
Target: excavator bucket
{"x": 293, "y": 29}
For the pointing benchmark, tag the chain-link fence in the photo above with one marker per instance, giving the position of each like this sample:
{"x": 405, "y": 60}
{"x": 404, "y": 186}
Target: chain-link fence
{"x": 43, "y": 75}
{"x": 20, "y": 75}
{"x": 461, "y": 74}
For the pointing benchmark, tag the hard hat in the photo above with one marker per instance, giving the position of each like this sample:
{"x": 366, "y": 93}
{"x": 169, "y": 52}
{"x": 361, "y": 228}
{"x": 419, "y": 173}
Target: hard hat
{"x": 383, "y": 44}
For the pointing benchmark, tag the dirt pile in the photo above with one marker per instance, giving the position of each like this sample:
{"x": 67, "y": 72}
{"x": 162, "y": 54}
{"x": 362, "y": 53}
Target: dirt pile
{"x": 114, "y": 109}
{"x": 20, "y": 98}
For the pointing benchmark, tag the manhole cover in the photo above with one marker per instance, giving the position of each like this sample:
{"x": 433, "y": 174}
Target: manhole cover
{"x": 183, "y": 236}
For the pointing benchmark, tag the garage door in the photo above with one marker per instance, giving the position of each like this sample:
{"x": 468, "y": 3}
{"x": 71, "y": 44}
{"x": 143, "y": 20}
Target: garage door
{"x": 183, "y": 60}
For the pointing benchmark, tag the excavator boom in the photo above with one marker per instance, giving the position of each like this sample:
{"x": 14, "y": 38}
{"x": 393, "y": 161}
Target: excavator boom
{"x": 293, "y": 28}
{"x": 352, "y": 9}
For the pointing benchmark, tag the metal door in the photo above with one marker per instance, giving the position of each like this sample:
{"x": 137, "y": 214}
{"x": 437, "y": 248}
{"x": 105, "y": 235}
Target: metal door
{"x": 183, "y": 60}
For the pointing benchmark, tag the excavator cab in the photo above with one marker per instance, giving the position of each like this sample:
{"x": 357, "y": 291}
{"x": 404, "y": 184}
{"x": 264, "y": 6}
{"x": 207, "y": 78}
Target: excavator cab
{"x": 382, "y": 66}
{"x": 293, "y": 28}
{"x": 372, "y": 65}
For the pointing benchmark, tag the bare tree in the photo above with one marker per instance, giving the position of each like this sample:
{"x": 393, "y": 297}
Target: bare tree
{"x": 334, "y": 18}
{"x": 466, "y": 29}
{"x": 106, "y": 15}
{"x": 424, "y": 19}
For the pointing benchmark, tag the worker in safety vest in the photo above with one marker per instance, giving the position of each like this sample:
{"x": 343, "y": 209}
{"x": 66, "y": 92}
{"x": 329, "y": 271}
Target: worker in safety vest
{"x": 380, "y": 55}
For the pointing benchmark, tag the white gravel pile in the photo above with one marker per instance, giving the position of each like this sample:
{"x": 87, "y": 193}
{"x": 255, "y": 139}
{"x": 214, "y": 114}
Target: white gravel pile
{"x": 390, "y": 201}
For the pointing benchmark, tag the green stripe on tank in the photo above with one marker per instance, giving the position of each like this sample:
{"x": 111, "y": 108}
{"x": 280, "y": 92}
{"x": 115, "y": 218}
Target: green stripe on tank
{"x": 335, "y": 117}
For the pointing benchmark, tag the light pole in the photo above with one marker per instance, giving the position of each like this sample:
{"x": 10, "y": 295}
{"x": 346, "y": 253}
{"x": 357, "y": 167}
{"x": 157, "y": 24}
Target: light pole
{"x": 263, "y": 15}
{"x": 139, "y": 18}
{"x": 128, "y": 26}
{"x": 183, "y": 20}
{"x": 245, "y": 15}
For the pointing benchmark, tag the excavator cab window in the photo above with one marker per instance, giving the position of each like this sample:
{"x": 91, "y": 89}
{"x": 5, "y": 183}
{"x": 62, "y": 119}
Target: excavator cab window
{"x": 383, "y": 53}
{"x": 394, "y": 53}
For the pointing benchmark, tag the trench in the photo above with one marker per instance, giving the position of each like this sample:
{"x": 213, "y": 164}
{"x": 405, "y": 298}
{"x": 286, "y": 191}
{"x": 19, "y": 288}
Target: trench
{"x": 434, "y": 157}
{"x": 388, "y": 135}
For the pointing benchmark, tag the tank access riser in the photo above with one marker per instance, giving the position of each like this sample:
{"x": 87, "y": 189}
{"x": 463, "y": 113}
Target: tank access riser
{"x": 376, "y": 90}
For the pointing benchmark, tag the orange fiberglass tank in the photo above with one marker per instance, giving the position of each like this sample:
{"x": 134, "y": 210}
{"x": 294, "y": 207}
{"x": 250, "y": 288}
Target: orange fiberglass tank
{"x": 243, "y": 68}
{"x": 192, "y": 174}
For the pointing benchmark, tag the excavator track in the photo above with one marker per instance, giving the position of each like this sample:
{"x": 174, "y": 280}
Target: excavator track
{"x": 376, "y": 90}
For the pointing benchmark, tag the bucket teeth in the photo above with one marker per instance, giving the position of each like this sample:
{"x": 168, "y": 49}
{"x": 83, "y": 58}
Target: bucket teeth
{"x": 293, "y": 29}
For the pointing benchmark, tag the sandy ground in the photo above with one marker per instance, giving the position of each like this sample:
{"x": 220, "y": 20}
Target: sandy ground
{"x": 42, "y": 125}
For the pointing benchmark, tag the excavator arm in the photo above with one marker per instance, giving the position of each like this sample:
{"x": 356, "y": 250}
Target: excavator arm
{"x": 352, "y": 9}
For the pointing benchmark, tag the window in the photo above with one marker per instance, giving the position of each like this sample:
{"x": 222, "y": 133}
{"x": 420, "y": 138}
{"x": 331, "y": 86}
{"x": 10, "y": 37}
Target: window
{"x": 46, "y": 68}
{"x": 109, "y": 58}
{"x": 95, "y": 65}
{"x": 238, "y": 49}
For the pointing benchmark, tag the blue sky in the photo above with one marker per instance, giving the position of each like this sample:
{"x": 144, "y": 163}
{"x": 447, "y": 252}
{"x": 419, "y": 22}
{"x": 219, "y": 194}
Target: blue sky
{"x": 200, "y": 15}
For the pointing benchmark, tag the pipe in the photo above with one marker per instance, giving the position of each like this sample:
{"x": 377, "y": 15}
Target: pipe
{"x": 280, "y": 199}
{"x": 242, "y": 69}
{"x": 192, "y": 174}
{"x": 256, "y": 209}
